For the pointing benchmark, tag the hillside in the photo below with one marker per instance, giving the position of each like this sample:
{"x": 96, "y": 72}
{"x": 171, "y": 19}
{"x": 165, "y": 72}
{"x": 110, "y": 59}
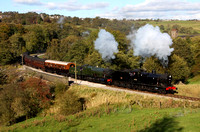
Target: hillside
{"x": 30, "y": 103}
{"x": 117, "y": 111}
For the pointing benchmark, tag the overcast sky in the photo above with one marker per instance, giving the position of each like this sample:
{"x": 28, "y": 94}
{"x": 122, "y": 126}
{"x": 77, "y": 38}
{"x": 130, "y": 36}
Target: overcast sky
{"x": 119, "y": 9}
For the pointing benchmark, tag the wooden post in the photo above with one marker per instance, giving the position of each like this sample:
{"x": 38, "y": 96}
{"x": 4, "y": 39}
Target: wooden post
{"x": 75, "y": 73}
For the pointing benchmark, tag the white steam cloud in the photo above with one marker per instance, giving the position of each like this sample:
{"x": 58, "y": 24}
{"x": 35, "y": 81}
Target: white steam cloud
{"x": 106, "y": 45}
{"x": 61, "y": 21}
{"x": 149, "y": 41}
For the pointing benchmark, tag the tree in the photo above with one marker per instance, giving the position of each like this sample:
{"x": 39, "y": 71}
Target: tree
{"x": 53, "y": 51}
{"x": 17, "y": 43}
{"x": 78, "y": 52}
{"x": 196, "y": 56}
{"x": 6, "y": 56}
{"x": 176, "y": 26}
{"x": 6, "y": 31}
{"x": 35, "y": 40}
{"x": 59, "y": 50}
{"x": 76, "y": 21}
{"x": 24, "y": 99}
{"x": 153, "y": 63}
{"x": 178, "y": 68}
{"x": 125, "y": 61}
{"x": 162, "y": 27}
{"x": 182, "y": 49}
{"x": 121, "y": 39}
{"x": 94, "y": 59}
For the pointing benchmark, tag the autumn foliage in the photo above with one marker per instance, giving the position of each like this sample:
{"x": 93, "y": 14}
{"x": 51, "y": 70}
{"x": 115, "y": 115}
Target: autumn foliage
{"x": 23, "y": 100}
{"x": 38, "y": 89}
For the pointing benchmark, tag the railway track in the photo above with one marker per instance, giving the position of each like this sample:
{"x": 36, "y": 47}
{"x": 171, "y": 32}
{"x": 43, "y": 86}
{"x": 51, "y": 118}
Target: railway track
{"x": 166, "y": 95}
{"x": 139, "y": 91}
{"x": 183, "y": 97}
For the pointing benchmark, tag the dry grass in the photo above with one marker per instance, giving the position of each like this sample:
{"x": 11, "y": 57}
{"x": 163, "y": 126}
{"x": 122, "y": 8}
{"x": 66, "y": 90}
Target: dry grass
{"x": 191, "y": 90}
{"x": 96, "y": 97}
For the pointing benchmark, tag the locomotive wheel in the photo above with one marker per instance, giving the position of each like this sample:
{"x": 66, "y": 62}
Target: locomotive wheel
{"x": 162, "y": 91}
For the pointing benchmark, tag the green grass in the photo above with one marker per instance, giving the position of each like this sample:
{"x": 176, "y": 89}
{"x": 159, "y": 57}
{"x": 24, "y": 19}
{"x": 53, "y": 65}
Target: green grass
{"x": 117, "y": 111}
{"x": 120, "y": 119}
{"x": 194, "y": 24}
{"x": 194, "y": 80}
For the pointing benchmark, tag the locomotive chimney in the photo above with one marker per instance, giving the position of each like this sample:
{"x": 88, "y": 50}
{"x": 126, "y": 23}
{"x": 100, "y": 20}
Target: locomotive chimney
{"x": 141, "y": 62}
{"x": 153, "y": 71}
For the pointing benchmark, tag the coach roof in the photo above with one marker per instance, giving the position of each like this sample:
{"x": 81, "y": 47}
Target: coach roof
{"x": 58, "y": 62}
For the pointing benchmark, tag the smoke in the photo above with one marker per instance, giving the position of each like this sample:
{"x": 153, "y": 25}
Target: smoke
{"x": 61, "y": 21}
{"x": 106, "y": 45}
{"x": 149, "y": 41}
{"x": 86, "y": 33}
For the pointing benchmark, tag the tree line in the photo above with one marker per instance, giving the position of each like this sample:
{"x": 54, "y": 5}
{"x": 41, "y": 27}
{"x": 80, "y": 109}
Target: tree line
{"x": 73, "y": 40}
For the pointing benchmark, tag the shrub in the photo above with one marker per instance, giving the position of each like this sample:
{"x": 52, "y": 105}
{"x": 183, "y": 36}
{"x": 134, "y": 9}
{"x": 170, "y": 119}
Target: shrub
{"x": 69, "y": 103}
{"x": 60, "y": 88}
{"x": 38, "y": 91}
{"x": 23, "y": 100}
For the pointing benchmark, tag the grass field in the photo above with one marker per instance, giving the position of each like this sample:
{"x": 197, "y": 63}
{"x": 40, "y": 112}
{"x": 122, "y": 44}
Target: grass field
{"x": 117, "y": 111}
{"x": 194, "y": 24}
{"x": 195, "y": 80}
{"x": 118, "y": 119}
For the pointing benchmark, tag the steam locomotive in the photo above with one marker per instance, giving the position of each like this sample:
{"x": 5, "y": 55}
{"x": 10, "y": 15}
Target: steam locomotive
{"x": 132, "y": 79}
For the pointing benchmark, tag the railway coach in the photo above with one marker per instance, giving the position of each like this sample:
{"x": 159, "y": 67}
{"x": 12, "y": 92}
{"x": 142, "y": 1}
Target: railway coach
{"x": 52, "y": 66}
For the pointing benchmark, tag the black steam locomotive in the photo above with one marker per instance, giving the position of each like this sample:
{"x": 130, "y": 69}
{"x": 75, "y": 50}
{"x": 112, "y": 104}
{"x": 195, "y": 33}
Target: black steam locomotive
{"x": 132, "y": 79}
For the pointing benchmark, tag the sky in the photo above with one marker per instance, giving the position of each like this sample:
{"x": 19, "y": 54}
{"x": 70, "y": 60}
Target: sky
{"x": 112, "y": 9}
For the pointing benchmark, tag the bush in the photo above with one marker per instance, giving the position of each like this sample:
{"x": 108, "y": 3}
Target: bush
{"x": 20, "y": 101}
{"x": 38, "y": 90}
{"x": 60, "y": 88}
{"x": 69, "y": 103}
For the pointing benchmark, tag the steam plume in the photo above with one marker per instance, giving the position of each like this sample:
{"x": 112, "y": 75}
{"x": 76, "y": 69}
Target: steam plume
{"x": 61, "y": 21}
{"x": 106, "y": 45}
{"x": 86, "y": 33}
{"x": 149, "y": 41}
